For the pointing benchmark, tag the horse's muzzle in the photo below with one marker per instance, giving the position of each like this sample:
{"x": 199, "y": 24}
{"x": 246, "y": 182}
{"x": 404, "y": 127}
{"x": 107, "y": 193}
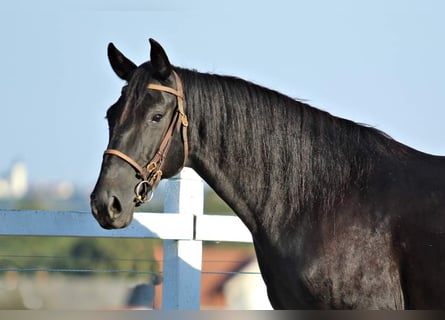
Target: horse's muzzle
{"x": 108, "y": 211}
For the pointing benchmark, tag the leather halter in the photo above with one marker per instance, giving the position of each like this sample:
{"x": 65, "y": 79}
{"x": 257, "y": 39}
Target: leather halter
{"x": 151, "y": 173}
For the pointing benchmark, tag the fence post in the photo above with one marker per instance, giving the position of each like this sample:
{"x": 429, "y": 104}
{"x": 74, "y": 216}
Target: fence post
{"x": 184, "y": 194}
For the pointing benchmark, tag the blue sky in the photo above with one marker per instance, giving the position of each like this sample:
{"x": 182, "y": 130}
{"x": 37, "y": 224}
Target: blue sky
{"x": 375, "y": 62}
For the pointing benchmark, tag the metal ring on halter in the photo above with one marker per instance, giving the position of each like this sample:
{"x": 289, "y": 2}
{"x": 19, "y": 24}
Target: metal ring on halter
{"x": 141, "y": 194}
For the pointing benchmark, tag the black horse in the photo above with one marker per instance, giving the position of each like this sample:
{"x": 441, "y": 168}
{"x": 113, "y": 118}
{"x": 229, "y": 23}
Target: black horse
{"x": 342, "y": 216}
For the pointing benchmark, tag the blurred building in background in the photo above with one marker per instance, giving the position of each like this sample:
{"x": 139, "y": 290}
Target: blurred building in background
{"x": 17, "y": 191}
{"x": 15, "y": 183}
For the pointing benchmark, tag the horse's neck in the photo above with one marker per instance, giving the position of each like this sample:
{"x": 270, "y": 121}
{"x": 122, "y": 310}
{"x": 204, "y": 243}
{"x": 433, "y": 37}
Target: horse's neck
{"x": 281, "y": 162}
{"x": 233, "y": 149}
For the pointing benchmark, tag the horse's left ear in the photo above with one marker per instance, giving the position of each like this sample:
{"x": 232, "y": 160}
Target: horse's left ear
{"x": 159, "y": 60}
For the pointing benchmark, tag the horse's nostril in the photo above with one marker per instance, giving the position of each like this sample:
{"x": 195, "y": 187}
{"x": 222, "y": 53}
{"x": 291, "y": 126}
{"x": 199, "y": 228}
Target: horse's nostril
{"x": 114, "y": 207}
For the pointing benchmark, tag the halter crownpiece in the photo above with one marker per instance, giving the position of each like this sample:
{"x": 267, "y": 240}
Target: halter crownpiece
{"x": 151, "y": 173}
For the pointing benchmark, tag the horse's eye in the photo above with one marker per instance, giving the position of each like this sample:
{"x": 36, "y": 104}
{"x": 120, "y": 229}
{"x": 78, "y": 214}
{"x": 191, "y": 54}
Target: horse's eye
{"x": 156, "y": 118}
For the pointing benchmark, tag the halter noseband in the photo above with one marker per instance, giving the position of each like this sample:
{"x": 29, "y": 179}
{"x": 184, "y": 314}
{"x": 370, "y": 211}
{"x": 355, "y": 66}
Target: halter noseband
{"x": 151, "y": 174}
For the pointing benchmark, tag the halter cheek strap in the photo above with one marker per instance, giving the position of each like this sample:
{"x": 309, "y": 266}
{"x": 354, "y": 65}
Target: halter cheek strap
{"x": 151, "y": 173}
{"x": 179, "y": 93}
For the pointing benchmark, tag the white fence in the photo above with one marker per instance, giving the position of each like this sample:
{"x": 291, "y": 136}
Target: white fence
{"x": 183, "y": 227}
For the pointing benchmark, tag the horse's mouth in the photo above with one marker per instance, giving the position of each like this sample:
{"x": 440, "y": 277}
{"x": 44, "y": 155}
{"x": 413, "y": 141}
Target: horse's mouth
{"x": 107, "y": 223}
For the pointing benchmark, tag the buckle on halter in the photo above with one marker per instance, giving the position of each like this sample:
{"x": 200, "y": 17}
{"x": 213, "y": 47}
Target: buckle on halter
{"x": 155, "y": 178}
{"x": 151, "y": 166}
{"x": 184, "y": 120}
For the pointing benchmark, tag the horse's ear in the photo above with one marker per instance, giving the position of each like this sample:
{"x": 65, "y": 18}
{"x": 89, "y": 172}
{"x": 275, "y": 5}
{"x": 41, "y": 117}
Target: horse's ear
{"x": 159, "y": 60}
{"x": 120, "y": 64}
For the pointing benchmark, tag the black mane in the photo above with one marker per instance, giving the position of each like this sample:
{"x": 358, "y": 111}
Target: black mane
{"x": 283, "y": 142}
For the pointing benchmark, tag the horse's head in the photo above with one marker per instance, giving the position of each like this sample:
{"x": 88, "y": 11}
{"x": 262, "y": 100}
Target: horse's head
{"x": 144, "y": 137}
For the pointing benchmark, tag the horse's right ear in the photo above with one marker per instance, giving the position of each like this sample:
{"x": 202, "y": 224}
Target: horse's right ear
{"x": 159, "y": 60}
{"x": 121, "y": 65}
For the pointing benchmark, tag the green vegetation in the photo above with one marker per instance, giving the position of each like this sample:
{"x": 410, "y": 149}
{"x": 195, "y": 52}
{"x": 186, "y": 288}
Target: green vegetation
{"x": 214, "y": 204}
{"x": 86, "y": 256}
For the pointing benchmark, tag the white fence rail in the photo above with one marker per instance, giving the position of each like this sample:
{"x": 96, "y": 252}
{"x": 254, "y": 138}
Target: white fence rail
{"x": 183, "y": 227}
